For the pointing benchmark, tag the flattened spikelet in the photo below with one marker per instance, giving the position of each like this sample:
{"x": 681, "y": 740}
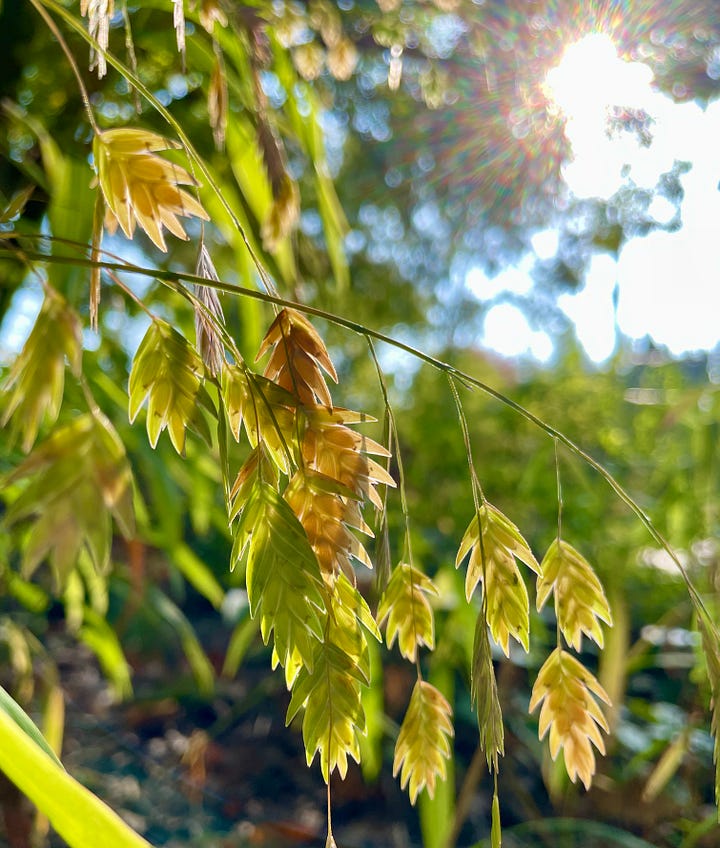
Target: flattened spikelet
{"x": 330, "y": 691}
{"x": 141, "y": 188}
{"x": 580, "y": 601}
{"x": 408, "y": 612}
{"x": 423, "y": 745}
{"x": 492, "y": 562}
{"x": 34, "y": 386}
{"x": 326, "y": 511}
{"x": 570, "y": 712}
{"x": 72, "y": 483}
{"x": 336, "y": 451}
{"x": 484, "y": 691}
{"x": 298, "y": 358}
{"x": 169, "y": 372}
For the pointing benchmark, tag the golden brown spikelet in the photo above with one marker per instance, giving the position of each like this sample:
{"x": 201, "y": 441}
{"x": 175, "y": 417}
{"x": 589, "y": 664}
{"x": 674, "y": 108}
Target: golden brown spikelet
{"x": 141, "y": 188}
{"x": 335, "y": 450}
{"x": 326, "y": 511}
{"x": 298, "y": 358}
{"x": 570, "y": 713}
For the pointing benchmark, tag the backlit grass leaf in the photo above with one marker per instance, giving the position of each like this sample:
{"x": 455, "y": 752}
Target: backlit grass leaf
{"x": 71, "y": 485}
{"x": 405, "y": 605}
{"x": 580, "y": 601}
{"x": 168, "y": 371}
{"x": 298, "y": 359}
{"x": 711, "y": 651}
{"x": 141, "y": 188}
{"x": 493, "y": 562}
{"x": 283, "y": 576}
{"x": 33, "y": 389}
{"x": 264, "y": 409}
{"x": 484, "y": 692}
{"x": 570, "y": 712}
{"x": 423, "y": 745}
{"x": 330, "y": 693}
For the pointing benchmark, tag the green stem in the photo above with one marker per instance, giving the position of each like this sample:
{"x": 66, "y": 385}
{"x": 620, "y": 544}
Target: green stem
{"x": 52, "y": 26}
{"x": 446, "y": 368}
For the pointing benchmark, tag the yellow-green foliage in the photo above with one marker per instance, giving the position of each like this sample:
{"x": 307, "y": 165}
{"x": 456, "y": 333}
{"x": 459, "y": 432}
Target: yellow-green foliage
{"x": 483, "y": 688}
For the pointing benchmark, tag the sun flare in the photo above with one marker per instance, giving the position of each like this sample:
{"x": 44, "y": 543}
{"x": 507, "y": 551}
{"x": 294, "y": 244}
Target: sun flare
{"x": 591, "y": 78}
{"x": 608, "y": 105}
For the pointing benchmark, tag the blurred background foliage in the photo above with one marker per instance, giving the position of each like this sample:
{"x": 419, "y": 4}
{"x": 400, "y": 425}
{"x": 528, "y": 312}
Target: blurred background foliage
{"x": 374, "y": 154}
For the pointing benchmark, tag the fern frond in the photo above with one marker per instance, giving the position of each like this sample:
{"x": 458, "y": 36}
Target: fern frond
{"x": 74, "y": 482}
{"x": 264, "y": 409}
{"x": 579, "y": 597}
{"x": 492, "y": 561}
{"x": 484, "y": 692}
{"x": 34, "y": 386}
{"x": 405, "y": 605}
{"x": 298, "y": 359}
{"x": 168, "y": 370}
{"x": 330, "y": 691}
{"x": 565, "y": 689}
{"x": 327, "y": 509}
{"x": 284, "y": 585}
{"x": 423, "y": 745}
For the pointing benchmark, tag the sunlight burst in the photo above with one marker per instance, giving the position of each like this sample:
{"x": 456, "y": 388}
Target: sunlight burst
{"x": 591, "y": 79}
{"x": 608, "y": 105}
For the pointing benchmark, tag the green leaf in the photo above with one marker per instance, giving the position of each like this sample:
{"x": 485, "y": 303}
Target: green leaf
{"x": 579, "y": 597}
{"x": 168, "y": 372}
{"x": 102, "y": 640}
{"x": 10, "y": 706}
{"x": 711, "y": 650}
{"x": 78, "y": 816}
{"x": 16, "y": 205}
{"x": 197, "y": 658}
{"x": 405, "y": 605}
{"x": 241, "y": 639}
{"x": 197, "y": 574}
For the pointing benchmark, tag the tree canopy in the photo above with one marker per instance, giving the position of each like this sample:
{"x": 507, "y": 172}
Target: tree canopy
{"x": 240, "y": 381}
